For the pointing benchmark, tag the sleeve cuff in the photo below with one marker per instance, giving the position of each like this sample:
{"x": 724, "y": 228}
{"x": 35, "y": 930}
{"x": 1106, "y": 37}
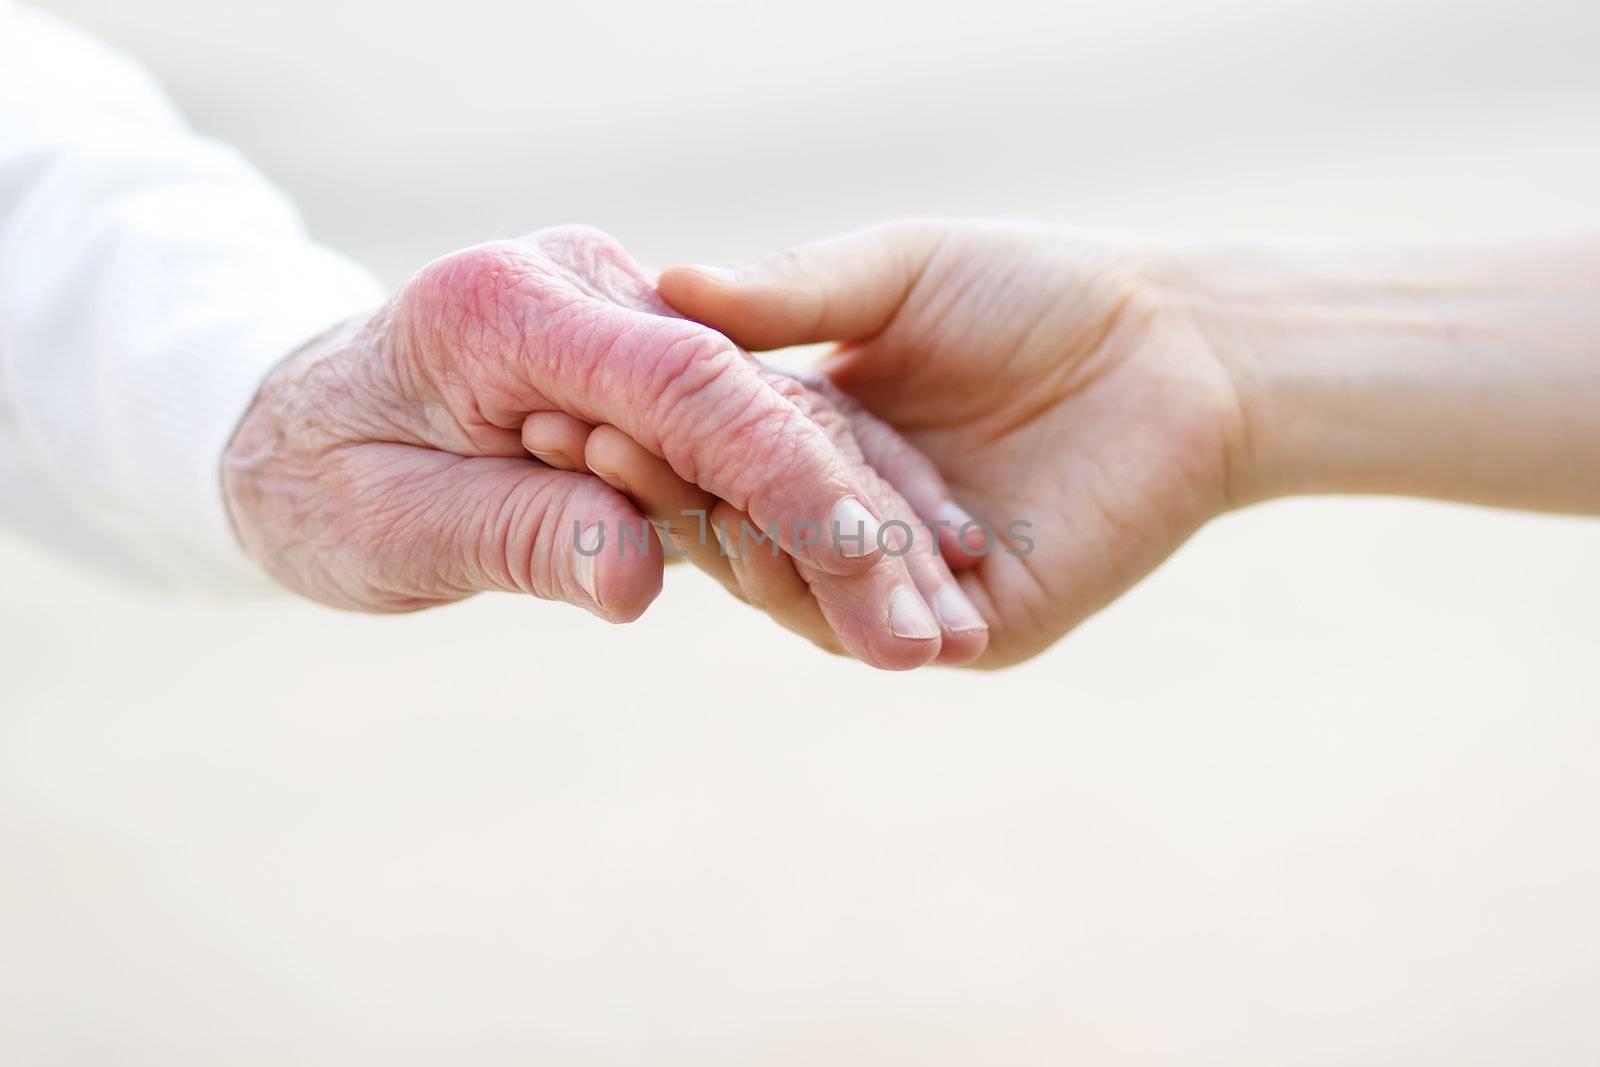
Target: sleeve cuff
{"x": 180, "y": 412}
{"x": 163, "y": 281}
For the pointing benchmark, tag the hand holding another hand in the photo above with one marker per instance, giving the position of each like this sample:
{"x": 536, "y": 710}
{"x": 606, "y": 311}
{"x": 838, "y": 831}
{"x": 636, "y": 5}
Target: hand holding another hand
{"x": 383, "y": 467}
{"x": 1090, "y": 400}
{"x": 1062, "y": 396}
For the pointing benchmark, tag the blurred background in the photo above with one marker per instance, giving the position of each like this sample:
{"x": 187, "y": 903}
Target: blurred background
{"x": 1320, "y": 791}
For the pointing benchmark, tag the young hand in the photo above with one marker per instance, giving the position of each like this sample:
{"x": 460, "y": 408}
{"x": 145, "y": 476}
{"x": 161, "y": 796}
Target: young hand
{"x": 1065, "y": 400}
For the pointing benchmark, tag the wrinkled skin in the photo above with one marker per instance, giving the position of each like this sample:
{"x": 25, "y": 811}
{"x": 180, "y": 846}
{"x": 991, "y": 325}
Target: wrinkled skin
{"x": 1046, "y": 378}
{"x": 799, "y": 596}
{"x": 383, "y": 467}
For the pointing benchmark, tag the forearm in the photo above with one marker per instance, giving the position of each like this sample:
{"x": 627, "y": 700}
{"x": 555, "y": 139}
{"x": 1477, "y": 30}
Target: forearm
{"x": 1460, "y": 371}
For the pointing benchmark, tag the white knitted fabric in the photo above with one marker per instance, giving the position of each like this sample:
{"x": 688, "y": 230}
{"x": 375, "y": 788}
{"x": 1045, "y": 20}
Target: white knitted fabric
{"x": 149, "y": 278}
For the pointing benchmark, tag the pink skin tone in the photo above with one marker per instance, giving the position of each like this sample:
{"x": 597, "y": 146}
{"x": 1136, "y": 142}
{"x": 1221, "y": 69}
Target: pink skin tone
{"x": 383, "y": 467}
{"x": 1045, "y": 379}
{"x": 802, "y": 598}
{"x": 1115, "y": 394}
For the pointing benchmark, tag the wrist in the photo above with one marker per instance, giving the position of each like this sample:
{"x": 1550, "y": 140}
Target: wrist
{"x": 1304, "y": 339}
{"x": 277, "y": 444}
{"x": 1451, "y": 370}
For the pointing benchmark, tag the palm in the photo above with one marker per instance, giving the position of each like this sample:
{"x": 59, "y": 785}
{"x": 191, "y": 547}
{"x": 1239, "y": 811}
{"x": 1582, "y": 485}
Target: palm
{"x": 1049, "y": 389}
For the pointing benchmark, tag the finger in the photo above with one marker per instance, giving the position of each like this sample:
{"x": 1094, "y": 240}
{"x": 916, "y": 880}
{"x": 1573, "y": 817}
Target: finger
{"x": 556, "y": 438}
{"x": 960, "y": 539}
{"x": 844, "y": 289}
{"x": 689, "y": 520}
{"x": 910, "y": 545}
{"x": 679, "y": 510}
{"x": 536, "y": 324}
{"x": 495, "y": 523}
{"x": 880, "y": 617}
{"x": 877, "y": 610}
{"x": 907, "y": 540}
{"x": 856, "y": 608}
{"x": 964, "y": 633}
{"x": 767, "y": 580}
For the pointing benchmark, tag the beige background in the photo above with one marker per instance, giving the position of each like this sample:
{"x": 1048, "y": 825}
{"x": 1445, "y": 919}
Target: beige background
{"x": 1321, "y": 791}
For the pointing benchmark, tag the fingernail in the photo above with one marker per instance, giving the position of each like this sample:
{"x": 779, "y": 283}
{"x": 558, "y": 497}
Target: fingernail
{"x": 610, "y": 479}
{"x": 726, "y": 544}
{"x": 957, "y": 517}
{"x": 956, "y": 612}
{"x": 953, "y": 513}
{"x": 909, "y": 617}
{"x": 559, "y": 460}
{"x": 589, "y": 551}
{"x": 850, "y": 519}
{"x": 721, "y": 275}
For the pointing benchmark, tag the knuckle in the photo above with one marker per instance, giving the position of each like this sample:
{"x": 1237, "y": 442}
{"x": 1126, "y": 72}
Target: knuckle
{"x": 762, "y": 449}
{"x": 578, "y": 239}
{"x": 655, "y": 368}
{"x": 831, "y": 415}
{"x": 694, "y": 397}
{"x": 867, "y": 440}
{"x": 488, "y": 326}
{"x": 466, "y": 292}
{"x": 466, "y": 314}
{"x": 597, "y": 265}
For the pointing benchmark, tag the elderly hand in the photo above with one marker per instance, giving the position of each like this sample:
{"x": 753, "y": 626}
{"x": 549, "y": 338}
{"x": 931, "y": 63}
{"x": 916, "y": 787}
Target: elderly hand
{"x": 920, "y": 527}
{"x": 383, "y": 467}
{"x": 1049, "y": 382}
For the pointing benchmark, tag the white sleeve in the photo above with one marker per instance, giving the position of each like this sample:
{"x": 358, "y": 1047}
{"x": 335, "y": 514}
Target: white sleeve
{"x": 149, "y": 278}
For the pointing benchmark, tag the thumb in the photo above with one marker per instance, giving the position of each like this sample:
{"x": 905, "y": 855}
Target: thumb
{"x": 462, "y": 525}
{"x": 844, "y": 289}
